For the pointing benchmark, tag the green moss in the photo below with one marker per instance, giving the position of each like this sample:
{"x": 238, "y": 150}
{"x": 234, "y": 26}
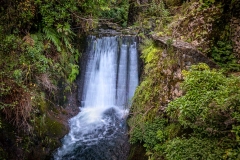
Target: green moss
{"x": 49, "y": 131}
{"x": 47, "y": 126}
{"x": 54, "y": 128}
{"x": 149, "y": 95}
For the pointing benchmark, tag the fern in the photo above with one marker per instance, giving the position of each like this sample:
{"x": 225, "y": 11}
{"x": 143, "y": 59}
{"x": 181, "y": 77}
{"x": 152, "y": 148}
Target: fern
{"x": 148, "y": 51}
{"x": 68, "y": 44}
{"x": 74, "y": 72}
{"x": 53, "y": 36}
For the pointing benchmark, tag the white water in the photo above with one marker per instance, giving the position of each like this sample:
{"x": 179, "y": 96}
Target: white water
{"x": 110, "y": 80}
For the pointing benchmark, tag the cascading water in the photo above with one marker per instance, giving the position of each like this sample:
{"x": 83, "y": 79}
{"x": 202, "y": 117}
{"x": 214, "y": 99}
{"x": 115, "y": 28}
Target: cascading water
{"x": 99, "y": 131}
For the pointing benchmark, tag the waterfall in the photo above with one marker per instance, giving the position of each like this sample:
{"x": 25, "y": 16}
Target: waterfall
{"x": 110, "y": 77}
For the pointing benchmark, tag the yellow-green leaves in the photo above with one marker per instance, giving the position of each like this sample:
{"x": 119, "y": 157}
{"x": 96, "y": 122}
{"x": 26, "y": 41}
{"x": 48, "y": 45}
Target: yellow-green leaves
{"x": 149, "y": 51}
{"x": 211, "y": 99}
{"x": 74, "y": 72}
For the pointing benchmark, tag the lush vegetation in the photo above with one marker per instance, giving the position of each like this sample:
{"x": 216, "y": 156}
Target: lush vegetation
{"x": 39, "y": 52}
{"x": 203, "y": 123}
{"x": 117, "y": 12}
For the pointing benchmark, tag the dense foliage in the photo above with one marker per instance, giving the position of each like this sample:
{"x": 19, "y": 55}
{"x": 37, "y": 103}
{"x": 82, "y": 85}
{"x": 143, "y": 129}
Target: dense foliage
{"x": 195, "y": 123}
{"x": 39, "y": 54}
{"x": 38, "y": 64}
{"x": 203, "y": 123}
{"x": 117, "y": 12}
{"x": 37, "y": 40}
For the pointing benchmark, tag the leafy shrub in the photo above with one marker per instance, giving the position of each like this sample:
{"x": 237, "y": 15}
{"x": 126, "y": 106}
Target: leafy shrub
{"x": 147, "y": 133}
{"x": 193, "y": 148}
{"x": 222, "y": 53}
{"x": 117, "y": 14}
{"x": 34, "y": 56}
{"x": 37, "y": 51}
{"x": 74, "y": 72}
{"x": 30, "y": 61}
{"x": 158, "y": 9}
{"x": 210, "y": 103}
{"x": 17, "y": 74}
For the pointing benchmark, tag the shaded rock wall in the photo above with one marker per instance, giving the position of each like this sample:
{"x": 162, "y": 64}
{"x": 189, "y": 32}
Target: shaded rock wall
{"x": 235, "y": 28}
{"x": 182, "y": 56}
{"x": 186, "y": 50}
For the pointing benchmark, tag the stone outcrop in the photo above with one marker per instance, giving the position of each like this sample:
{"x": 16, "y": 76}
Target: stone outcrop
{"x": 235, "y": 37}
{"x": 186, "y": 52}
{"x": 178, "y": 56}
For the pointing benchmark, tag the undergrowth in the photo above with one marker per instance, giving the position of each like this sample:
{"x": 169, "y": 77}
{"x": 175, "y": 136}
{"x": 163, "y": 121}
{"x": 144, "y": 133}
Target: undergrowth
{"x": 204, "y": 122}
{"x": 195, "y": 123}
{"x": 39, "y": 64}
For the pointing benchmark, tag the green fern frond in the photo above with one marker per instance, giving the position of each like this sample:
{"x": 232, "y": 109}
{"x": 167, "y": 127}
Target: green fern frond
{"x": 53, "y": 36}
{"x": 68, "y": 44}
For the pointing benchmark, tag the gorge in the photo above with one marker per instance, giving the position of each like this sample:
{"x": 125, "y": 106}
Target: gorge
{"x": 75, "y": 85}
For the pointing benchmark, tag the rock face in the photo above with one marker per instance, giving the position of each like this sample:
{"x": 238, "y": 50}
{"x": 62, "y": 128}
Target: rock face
{"x": 181, "y": 56}
{"x": 235, "y": 27}
{"x": 185, "y": 52}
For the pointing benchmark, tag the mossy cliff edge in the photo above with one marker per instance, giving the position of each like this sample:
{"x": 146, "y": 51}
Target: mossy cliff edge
{"x": 187, "y": 104}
